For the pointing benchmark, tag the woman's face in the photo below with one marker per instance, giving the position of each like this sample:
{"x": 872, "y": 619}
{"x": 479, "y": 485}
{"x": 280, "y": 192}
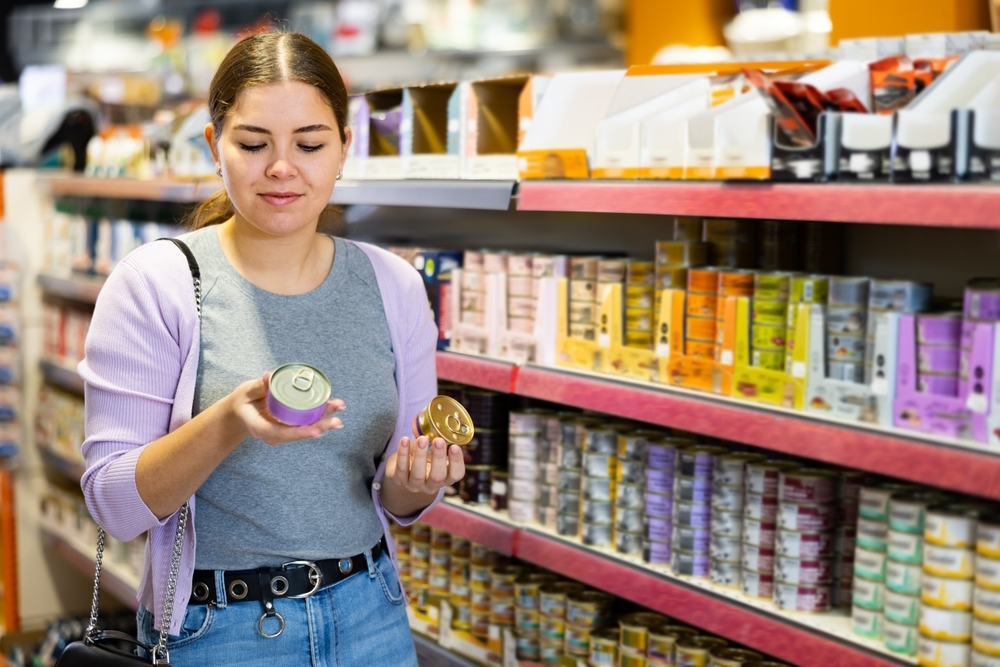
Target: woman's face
{"x": 280, "y": 152}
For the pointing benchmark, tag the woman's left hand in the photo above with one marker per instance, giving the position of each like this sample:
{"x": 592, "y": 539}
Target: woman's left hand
{"x": 422, "y": 467}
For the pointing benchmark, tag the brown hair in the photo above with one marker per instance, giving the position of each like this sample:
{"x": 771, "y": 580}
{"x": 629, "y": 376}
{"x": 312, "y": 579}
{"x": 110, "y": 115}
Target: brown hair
{"x": 271, "y": 57}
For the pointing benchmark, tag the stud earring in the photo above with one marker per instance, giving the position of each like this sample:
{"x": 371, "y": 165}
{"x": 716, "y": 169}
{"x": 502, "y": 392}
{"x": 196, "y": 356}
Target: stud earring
{"x": 340, "y": 175}
{"x": 219, "y": 171}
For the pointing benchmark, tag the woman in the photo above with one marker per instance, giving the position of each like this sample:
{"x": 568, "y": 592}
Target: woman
{"x": 292, "y": 565}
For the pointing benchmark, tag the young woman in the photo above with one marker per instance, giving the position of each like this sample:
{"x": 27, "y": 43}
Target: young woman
{"x": 294, "y": 563}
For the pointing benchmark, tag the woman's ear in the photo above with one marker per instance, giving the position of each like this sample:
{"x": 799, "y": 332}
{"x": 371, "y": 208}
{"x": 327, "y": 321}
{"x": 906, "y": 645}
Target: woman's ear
{"x": 210, "y": 139}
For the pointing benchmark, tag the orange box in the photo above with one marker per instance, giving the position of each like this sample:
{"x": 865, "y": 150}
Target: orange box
{"x": 701, "y": 328}
{"x": 697, "y": 348}
{"x": 702, "y": 305}
{"x": 705, "y": 281}
{"x": 735, "y": 283}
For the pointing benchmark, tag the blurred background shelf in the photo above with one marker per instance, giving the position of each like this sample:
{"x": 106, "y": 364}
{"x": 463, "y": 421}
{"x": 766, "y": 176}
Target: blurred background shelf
{"x": 61, "y": 375}
{"x": 76, "y": 288}
{"x": 113, "y": 581}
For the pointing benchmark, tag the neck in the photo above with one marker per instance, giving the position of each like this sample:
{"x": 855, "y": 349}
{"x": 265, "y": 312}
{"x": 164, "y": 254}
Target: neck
{"x": 290, "y": 264}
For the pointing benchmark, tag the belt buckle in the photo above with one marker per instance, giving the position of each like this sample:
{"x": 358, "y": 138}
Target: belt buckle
{"x": 315, "y": 576}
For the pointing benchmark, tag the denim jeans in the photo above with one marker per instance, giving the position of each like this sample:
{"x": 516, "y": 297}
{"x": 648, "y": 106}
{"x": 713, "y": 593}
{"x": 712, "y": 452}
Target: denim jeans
{"x": 356, "y": 622}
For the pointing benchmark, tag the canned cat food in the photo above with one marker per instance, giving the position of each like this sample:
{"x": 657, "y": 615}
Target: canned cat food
{"x": 631, "y": 472}
{"x": 661, "y": 454}
{"x": 986, "y": 637}
{"x": 758, "y": 585}
{"x": 762, "y": 476}
{"x": 804, "y": 545}
{"x": 628, "y": 543}
{"x": 986, "y": 604}
{"x": 868, "y": 594}
{"x": 874, "y": 500}
{"x": 807, "y": 485}
{"x": 660, "y": 480}
{"x": 988, "y": 573}
{"x": 552, "y": 598}
{"x": 693, "y": 651}
{"x": 656, "y": 553}
{"x": 872, "y": 534}
{"x": 796, "y": 517}
{"x": 954, "y": 594}
{"x": 726, "y": 574}
{"x": 729, "y": 524}
{"x": 604, "y": 647}
{"x": 588, "y": 609}
{"x": 630, "y": 496}
{"x": 633, "y": 446}
{"x": 804, "y": 572}
{"x": 527, "y": 621}
{"x": 794, "y": 597}
{"x": 595, "y": 488}
{"x": 577, "y": 640}
{"x": 568, "y": 525}
{"x": 691, "y": 539}
{"x": 901, "y": 577}
{"x": 900, "y": 638}
{"x": 945, "y": 624}
{"x": 907, "y": 511}
{"x": 659, "y": 530}
{"x": 758, "y": 559}
{"x": 568, "y": 502}
{"x": 659, "y": 504}
{"x": 871, "y": 565}
{"x": 938, "y": 653}
{"x": 723, "y": 548}
{"x": 906, "y": 547}
{"x": 553, "y": 628}
{"x": 570, "y": 458}
{"x": 693, "y": 489}
{"x": 760, "y": 508}
{"x": 696, "y": 515}
{"x": 988, "y": 536}
{"x": 599, "y": 465}
{"x": 732, "y": 657}
{"x": 951, "y": 525}
{"x": 690, "y": 563}
{"x": 983, "y": 660}
{"x": 595, "y": 511}
{"x": 527, "y": 588}
{"x": 629, "y": 521}
{"x": 444, "y": 417}
{"x": 901, "y": 608}
{"x": 727, "y": 498}
{"x": 601, "y": 441}
{"x": 949, "y": 562}
{"x": 297, "y": 394}
{"x": 729, "y": 468}
{"x": 597, "y": 535}
{"x": 635, "y": 628}
{"x": 759, "y": 534}
{"x": 698, "y": 461}
{"x": 628, "y": 658}
{"x": 663, "y": 640}
{"x": 866, "y": 622}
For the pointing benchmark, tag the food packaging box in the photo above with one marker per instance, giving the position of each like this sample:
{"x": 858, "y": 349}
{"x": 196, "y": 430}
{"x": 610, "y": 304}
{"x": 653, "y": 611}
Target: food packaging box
{"x": 384, "y": 120}
{"x": 357, "y": 152}
{"x": 977, "y": 136}
{"x": 427, "y": 143}
{"x": 761, "y": 385}
{"x": 437, "y": 267}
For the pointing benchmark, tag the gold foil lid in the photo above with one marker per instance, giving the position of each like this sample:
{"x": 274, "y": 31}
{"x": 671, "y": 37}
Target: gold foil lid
{"x": 450, "y": 420}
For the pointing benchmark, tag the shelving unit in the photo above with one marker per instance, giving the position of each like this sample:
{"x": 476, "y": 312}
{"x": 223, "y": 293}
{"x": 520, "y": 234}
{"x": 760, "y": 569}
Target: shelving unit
{"x": 120, "y": 584}
{"x": 71, "y": 470}
{"x": 61, "y": 376}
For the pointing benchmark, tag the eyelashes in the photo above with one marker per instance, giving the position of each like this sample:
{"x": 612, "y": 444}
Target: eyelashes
{"x": 254, "y": 148}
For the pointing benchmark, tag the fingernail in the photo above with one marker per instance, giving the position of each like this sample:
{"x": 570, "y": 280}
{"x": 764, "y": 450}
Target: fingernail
{"x": 404, "y": 443}
{"x": 422, "y": 443}
{"x": 438, "y": 444}
{"x": 455, "y": 450}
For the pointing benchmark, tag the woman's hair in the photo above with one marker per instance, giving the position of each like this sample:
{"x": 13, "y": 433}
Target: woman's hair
{"x": 271, "y": 57}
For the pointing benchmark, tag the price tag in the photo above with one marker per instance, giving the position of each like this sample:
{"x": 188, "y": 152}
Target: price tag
{"x": 977, "y": 403}
{"x": 798, "y": 369}
{"x": 726, "y": 358}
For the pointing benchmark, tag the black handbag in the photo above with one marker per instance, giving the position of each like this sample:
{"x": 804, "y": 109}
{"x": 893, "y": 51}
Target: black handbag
{"x": 104, "y": 648}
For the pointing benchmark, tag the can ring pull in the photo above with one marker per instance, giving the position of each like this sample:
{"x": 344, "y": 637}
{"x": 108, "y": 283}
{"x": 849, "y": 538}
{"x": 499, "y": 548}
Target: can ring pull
{"x": 303, "y": 380}
{"x": 461, "y": 428}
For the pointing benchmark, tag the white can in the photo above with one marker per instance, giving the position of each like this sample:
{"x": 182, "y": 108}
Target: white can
{"x": 806, "y": 517}
{"x": 866, "y": 622}
{"x": 807, "y": 485}
{"x": 984, "y": 660}
{"x": 937, "y": 653}
{"x": 759, "y": 559}
{"x": 874, "y": 500}
{"x": 868, "y": 594}
{"x": 988, "y": 573}
{"x": 757, "y": 585}
{"x": 986, "y": 637}
{"x": 869, "y": 564}
{"x": 951, "y": 526}
{"x": 727, "y": 498}
{"x": 522, "y": 510}
{"x": 525, "y": 446}
{"x": 945, "y": 624}
{"x": 725, "y": 573}
{"x": 905, "y": 547}
{"x": 523, "y": 469}
{"x": 955, "y": 594}
{"x": 908, "y": 510}
{"x": 949, "y": 562}
{"x": 760, "y": 508}
{"x": 900, "y": 638}
{"x": 988, "y": 537}
{"x": 793, "y": 597}
{"x": 901, "y": 608}
{"x": 986, "y": 604}
{"x": 903, "y": 577}
{"x": 730, "y": 468}
{"x": 803, "y": 572}
{"x": 762, "y": 476}
{"x": 729, "y": 524}
{"x": 759, "y": 534}
{"x": 803, "y": 545}
{"x": 724, "y": 548}
{"x": 523, "y": 489}
{"x": 873, "y": 534}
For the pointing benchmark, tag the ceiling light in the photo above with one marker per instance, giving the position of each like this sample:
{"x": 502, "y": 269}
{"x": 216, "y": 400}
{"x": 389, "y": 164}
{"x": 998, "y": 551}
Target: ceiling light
{"x": 70, "y": 4}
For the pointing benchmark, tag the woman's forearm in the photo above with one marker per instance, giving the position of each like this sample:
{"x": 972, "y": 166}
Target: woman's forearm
{"x": 402, "y": 503}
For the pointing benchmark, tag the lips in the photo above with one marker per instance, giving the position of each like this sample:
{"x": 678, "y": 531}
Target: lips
{"x": 280, "y": 198}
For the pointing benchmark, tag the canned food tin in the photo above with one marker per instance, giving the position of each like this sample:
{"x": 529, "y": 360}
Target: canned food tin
{"x": 420, "y": 553}
{"x": 901, "y": 608}
{"x": 549, "y": 474}
{"x": 902, "y": 578}
{"x": 807, "y": 485}
{"x": 758, "y": 585}
{"x": 873, "y": 534}
{"x": 871, "y": 565}
{"x": 568, "y": 525}
{"x": 551, "y": 652}
{"x": 698, "y": 461}
{"x": 770, "y": 312}
{"x": 629, "y": 521}
{"x": 588, "y": 609}
{"x": 656, "y": 553}
{"x": 601, "y": 441}
{"x": 794, "y": 597}
{"x": 548, "y": 517}
{"x": 596, "y": 488}
{"x": 725, "y": 573}
{"x": 804, "y": 572}
{"x": 724, "y": 548}
{"x": 937, "y": 653}
{"x": 848, "y": 290}
{"x": 631, "y": 472}
{"x": 906, "y": 547}
{"x": 869, "y": 594}
{"x": 758, "y": 533}
{"x": 440, "y": 558}
{"x": 662, "y": 454}
{"x": 599, "y": 465}
{"x": 691, "y": 539}
{"x": 900, "y": 638}
{"x": 866, "y": 622}
{"x": 659, "y": 480}
{"x": 501, "y": 610}
{"x": 552, "y": 598}
{"x": 988, "y": 573}
{"x": 729, "y": 524}
{"x": 804, "y": 545}
{"x": 596, "y": 511}
{"x": 628, "y": 543}
{"x": 761, "y": 508}
{"x": 569, "y": 479}
{"x": 952, "y": 525}
{"x": 983, "y": 660}
{"x": 502, "y": 579}
{"x": 986, "y": 637}
{"x": 762, "y": 476}
{"x": 988, "y": 536}
{"x": 527, "y": 446}
{"x": 527, "y": 621}
{"x": 628, "y": 658}
{"x": 693, "y": 489}
{"x": 577, "y": 640}
{"x": 632, "y": 446}
{"x": 479, "y": 576}
{"x": 522, "y": 510}
{"x": 663, "y": 640}
{"x": 634, "y": 629}
{"x": 690, "y": 563}
{"x": 727, "y": 498}
{"x": 604, "y": 648}
{"x": 908, "y": 510}
{"x": 659, "y": 504}
{"x": 954, "y": 594}
{"x": 524, "y": 469}
{"x": 297, "y": 394}
{"x": 446, "y": 418}
{"x": 732, "y": 657}
{"x": 874, "y": 500}
{"x": 986, "y": 604}
{"x": 729, "y": 468}
{"x": 696, "y": 515}
{"x": 569, "y": 457}
{"x": 568, "y": 502}
{"x": 597, "y": 535}
{"x": 949, "y": 562}
{"x": 693, "y": 651}
{"x": 758, "y": 559}
{"x": 792, "y": 516}
{"x": 553, "y": 628}
{"x": 521, "y": 489}
{"x": 630, "y": 496}
{"x": 945, "y": 624}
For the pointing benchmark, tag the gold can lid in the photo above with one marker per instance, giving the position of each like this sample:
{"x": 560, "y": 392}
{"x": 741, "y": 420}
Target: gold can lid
{"x": 451, "y": 420}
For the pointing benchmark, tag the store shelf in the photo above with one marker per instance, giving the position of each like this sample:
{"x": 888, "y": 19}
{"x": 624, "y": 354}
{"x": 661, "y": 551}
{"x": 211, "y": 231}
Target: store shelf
{"x": 806, "y": 640}
{"x": 483, "y": 195}
{"x": 76, "y": 288}
{"x": 946, "y": 205}
{"x": 492, "y": 374}
{"x": 61, "y": 375}
{"x": 432, "y": 654}
{"x": 118, "y": 584}
{"x": 182, "y": 191}
{"x": 72, "y": 470}
{"x": 492, "y": 529}
{"x": 959, "y": 467}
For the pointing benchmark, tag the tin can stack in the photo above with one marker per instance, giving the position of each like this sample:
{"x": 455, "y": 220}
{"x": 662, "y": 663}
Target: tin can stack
{"x": 583, "y": 297}
{"x": 701, "y": 325}
{"x": 548, "y": 465}
{"x": 846, "y": 318}
{"x": 986, "y": 594}
{"x": 726, "y": 541}
{"x": 552, "y": 599}
{"x": 673, "y": 260}
{"x": 896, "y": 296}
{"x": 420, "y": 564}
{"x": 804, "y": 289}
{"x": 845, "y": 533}
{"x": 870, "y": 563}
{"x": 731, "y": 243}
{"x": 939, "y": 340}
{"x": 459, "y": 583}
{"x": 482, "y": 560}
{"x": 598, "y": 486}
{"x": 473, "y": 289}
{"x": 981, "y": 303}
{"x": 586, "y": 611}
{"x": 632, "y": 637}
{"x": 732, "y": 282}
{"x": 692, "y": 509}
{"x": 439, "y": 575}
{"x": 486, "y": 453}
{"x": 657, "y": 499}
{"x": 630, "y": 474}
{"x": 403, "y": 538}
{"x": 779, "y": 245}
{"x": 769, "y": 326}
{"x": 640, "y": 300}
{"x": 569, "y": 476}
{"x": 527, "y": 437}
{"x": 527, "y": 614}
{"x": 760, "y": 526}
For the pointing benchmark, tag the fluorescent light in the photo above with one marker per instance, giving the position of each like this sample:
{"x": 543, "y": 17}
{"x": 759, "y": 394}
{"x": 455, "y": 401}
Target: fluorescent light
{"x": 70, "y": 4}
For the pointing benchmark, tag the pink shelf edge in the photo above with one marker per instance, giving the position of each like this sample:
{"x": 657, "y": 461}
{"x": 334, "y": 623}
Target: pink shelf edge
{"x": 483, "y": 373}
{"x": 476, "y": 528}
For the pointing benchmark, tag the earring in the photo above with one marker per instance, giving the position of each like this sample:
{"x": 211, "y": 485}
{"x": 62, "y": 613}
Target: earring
{"x": 340, "y": 175}
{"x": 219, "y": 170}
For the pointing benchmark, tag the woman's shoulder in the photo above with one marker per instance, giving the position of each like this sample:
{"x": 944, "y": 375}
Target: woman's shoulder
{"x": 158, "y": 267}
{"x": 386, "y": 264}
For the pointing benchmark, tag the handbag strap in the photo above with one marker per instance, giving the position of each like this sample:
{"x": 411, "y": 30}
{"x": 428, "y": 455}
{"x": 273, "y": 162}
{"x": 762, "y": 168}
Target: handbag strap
{"x": 159, "y": 652}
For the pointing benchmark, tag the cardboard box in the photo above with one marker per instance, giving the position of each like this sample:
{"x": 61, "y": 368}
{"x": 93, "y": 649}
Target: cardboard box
{"x": 977, "y": 140}
{"x": 681, "y": 370}
{"x": 497, "y": 114}
{"x": 426, "y": 141}
{"x": 760, "y": 385}
{"x": 384, "y": 109}
{"x": 588, "y": 355}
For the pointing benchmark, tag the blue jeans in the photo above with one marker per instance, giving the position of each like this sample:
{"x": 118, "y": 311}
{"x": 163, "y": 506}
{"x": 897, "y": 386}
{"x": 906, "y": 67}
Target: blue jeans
{"x": 356, "y": 622}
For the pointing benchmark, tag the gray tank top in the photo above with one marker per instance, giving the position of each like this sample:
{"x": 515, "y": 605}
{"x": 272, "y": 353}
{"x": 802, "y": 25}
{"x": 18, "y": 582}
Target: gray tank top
{"x": 311, "y": 499}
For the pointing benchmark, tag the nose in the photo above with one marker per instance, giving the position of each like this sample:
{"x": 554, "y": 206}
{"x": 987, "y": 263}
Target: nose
{"x": 281, "y": 168}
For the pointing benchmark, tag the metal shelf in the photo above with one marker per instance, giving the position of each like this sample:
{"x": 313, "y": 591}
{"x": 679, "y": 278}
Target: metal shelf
{"x": 960, "y": 467}
{"x": 61, "y": 376}
{"x": 76, "y": 288}
{"x": 181, "y": 191}
{"x": 120, "y": 585}
{"x": 945, "y": 205}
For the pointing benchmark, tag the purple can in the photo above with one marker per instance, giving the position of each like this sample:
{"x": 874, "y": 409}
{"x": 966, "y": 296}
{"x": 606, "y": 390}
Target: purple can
{"x": 937, "y": 385}
{"x": 939, "y": 329}
{"x": 657, "y": 553}
{"x": 690, "y": 563}
{"x": 695, "y": 515}
{"x": 658, "y": 529}
{"x": 660, "y": 454}
{"x": 695, "y": 489}
{"x": 660, "y": 481}
{"x": 659, "y": 504}
{"x": 698, "y": 461}
{"x": 942, "y": 360}
{"x": 297, "y": 394}
{"x": 691, "y": 539}
{"x": 982, "y": 300}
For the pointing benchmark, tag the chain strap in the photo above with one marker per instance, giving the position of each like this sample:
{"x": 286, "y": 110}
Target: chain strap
{"x": 95, "y": 602}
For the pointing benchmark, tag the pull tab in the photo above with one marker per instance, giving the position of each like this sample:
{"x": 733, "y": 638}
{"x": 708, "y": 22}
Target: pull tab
{"x": 303, "y": 380}
{"x": 462, "y": 428}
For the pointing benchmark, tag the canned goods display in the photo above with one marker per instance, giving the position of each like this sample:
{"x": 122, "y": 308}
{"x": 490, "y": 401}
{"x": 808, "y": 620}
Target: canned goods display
{"x": 725, "y": 573}
{"x": 905, "y": 547}
{"x": 552, "y": 598}
{"x": 635, "y": 629}
{"x": 659, "y": 530}
{"x": 588, "y": 609}
{"x": 727, "y": 523}
{"x": 760, "y": 508}
{"x": 900, "y": 638}
{"x": 698, "y": 461}
{"x": 793, "y": 597}
{"x": 596, "y": 488}
{"x": 630, "y": 496}
{"x": 631, "y": 472}
{"x": 803, "y": 572}
{"x": 804, "y": 545}
{"x": 691, "y": 539}
{"x": 762, "y": 476}
{"x": 629, "y": 520}
{"x": 872, "y": 534}
{"x": 945, "y": 624}
{"x": 661, "y": 505}
{"x": 871, "y": 565}
{"x": 758, "y": 559}
{"x": 758, "y": 585}
{"x": 946, "y": 593}
{"x": 727, "y": 498}
{"x": 986, "y": 637}
{"x": 694, "y": 651}
{"x": 661, "y": 454}
{"x": 901, "y": 608}
{"x": 628, "y": 543}
{"x": 807, "y": 485}
{"x": 901, "y": 577}
{"x": 811, "y": 518}
{"x": 874, "y": 500}
{"x": 871, "y": 595}
{"x": 948, "y": 561}
{"x": 660, "y": 480}
{"x": 866, "y": 622}
{"x": 733, "y": 657}
{"x": 908, "y": 510}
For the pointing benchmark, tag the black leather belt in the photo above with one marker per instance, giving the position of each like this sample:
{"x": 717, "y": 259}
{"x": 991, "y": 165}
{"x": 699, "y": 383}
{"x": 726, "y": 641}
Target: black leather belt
{"x": 295, "y": 579}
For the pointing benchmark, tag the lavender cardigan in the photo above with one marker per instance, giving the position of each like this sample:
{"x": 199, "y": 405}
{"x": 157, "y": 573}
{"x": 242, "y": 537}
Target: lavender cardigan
{"x": 140, "y": 370}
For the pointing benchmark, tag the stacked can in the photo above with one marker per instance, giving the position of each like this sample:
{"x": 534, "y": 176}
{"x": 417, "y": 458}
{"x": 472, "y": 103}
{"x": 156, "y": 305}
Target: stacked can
{"x": 981, "y": 303}
{"x": 692, "y": 509}
{"x": 586, "y": 611}
{"x": 487, "y": 451}
{"x": 939, "y": 338}
{"x": 769, "y": 327}
{"x": 806, "y": 507}
{"x": 673, "y": 259}
{"x": 524, "y": 478}
{"x": 548, "y": 466}
{"x": 631, "y": 477}
{"x": 639, "y": 302}
{"x": 552, "y": 601}
{"x": 520, "y": 294}
{"x": 871, "y": 580}
{"x": 439, "y": 575}
{"x": 527, "y": 614}
{"x": 701, "y": 310}
{"x": 726, "y": 543}
{"x": 657, "y": 499}
{"x": 822, "y": 247}
{"x": 502, "y": 579}
{"x": 949, "y": 559}
{"x": 569, "y": 476}
{"x": 733, "y": 657}
{"x": 459, "y": 590}
{"x": 598, "y": 486}
{"x": 420, "y": 565}
{"x": 632, "y": 635}
{"x": 845, "y": 328}
{"x": 804, "y": 289}
{"x": 732, "y": 243}
{"x": 473, "y": 289}
{"x": 760, "y": 526}
{"x": 844, "y": 536}
{"x": 583, "y": 297}
{"x": 401, "y": 536}
{"x": 986, "y": 595}
{"x": 481, "y": 562}
{"x": 779, "y": 245}
{"x": 899, "y": 296}
{"x": 662, "y": 643}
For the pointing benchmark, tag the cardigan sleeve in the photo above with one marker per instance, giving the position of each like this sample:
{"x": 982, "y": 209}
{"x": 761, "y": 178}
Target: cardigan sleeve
{"x": 131, "y": 369}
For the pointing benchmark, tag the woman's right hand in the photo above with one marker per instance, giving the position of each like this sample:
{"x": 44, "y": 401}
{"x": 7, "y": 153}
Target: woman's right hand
{"x": 248, "y": 403}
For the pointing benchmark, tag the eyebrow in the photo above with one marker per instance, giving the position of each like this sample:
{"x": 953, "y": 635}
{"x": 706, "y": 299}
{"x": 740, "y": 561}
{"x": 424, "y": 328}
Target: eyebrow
{"x": 301, "y": 130}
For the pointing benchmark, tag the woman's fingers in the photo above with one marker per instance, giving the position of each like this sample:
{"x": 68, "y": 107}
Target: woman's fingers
{"x": 456, "y": 464}
{"x": 418, "y": 469}
{"x": 402, "y": 472}
{"x": 439, "y": 461}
